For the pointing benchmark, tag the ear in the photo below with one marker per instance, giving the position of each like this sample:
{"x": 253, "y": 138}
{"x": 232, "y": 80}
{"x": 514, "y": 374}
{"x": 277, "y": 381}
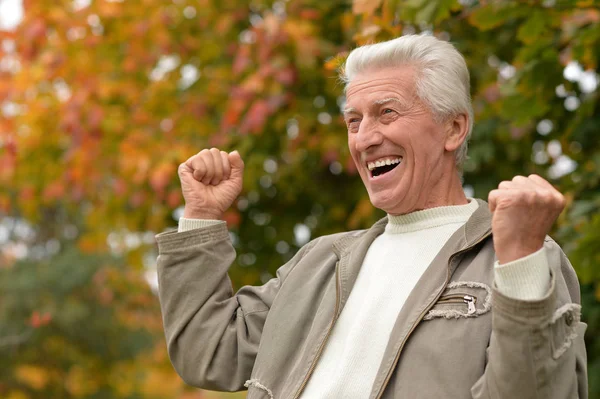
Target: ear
{"x": 457, "y": 129}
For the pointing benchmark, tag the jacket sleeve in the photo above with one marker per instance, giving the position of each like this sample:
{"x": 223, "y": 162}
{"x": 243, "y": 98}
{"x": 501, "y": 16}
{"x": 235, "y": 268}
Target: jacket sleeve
{"x": 212, "y": 334}
{"x": 536, "y": 348}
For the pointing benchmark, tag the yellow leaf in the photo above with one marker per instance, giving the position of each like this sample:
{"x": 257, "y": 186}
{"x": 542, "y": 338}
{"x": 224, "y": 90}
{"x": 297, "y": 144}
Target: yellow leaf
{"x": 80, "y": 382}
{"x": 161, "y": 383}
{"x": 121, "y": 377}
{"x": 34, "y": 376}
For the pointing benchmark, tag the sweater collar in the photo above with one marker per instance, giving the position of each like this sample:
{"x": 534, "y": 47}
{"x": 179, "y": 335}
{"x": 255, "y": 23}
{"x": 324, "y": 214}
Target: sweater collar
{"x": 430, "y": 218}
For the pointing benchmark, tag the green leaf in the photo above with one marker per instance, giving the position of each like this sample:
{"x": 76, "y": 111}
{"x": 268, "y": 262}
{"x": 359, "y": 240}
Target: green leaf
{"x": 520, "y": 109}
{"x": 534, "y": 27}
{"x": 426, "y": 13}
{"x": 495, "y": 14}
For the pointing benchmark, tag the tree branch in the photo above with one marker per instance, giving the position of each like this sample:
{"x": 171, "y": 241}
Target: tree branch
{"x": 14, "y": 340}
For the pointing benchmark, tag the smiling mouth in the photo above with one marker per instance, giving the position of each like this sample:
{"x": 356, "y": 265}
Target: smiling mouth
{"x": 382, "y": 170}
{"x": 381, "y": 167}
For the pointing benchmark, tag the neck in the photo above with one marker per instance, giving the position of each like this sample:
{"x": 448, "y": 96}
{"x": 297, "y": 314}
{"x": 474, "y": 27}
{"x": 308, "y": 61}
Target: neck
{"x": 447, "y": 193}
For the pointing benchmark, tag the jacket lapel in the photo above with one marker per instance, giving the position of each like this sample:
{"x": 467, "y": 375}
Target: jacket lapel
{"x": 351, "y": 250}
{"x": 428, "y": 290}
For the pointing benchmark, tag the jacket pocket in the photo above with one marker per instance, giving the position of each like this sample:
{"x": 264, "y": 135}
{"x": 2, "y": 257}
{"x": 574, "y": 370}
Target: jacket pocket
{"x": 462, "y": 299}
{"x": 564, "y": 326}
{"x": 459, "y": 299}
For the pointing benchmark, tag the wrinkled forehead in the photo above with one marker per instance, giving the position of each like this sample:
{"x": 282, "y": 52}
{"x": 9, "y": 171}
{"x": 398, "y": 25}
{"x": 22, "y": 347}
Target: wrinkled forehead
{"x": 380, "y": 85}
{"x": 403, "y": 75}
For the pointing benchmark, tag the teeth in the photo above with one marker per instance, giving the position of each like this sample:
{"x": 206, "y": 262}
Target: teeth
{"x": 383, "y": 162}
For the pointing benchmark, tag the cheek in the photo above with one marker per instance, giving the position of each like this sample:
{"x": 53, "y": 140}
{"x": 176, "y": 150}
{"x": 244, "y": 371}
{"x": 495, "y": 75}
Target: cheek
{"x": 426, "y": 145}
{"x": 355, "y": 156}
{"x": 353, "y": 152}
{"x": 351, "y": 141}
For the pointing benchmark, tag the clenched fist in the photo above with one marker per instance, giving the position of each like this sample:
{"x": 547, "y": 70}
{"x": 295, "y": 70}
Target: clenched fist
{"x": 210, "y": 181}
{"x": 524, "y": 209}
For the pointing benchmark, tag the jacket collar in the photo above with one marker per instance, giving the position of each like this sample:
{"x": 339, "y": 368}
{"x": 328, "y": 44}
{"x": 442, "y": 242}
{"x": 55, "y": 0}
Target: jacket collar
{"x": 478, "y": 225}
{"x": 352, "y": 248}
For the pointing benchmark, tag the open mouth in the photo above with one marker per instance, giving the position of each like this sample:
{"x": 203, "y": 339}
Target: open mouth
{"x": 383, "y": 166}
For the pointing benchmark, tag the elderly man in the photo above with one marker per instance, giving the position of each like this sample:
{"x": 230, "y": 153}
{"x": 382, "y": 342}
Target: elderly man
{"x": 446, "y": 297}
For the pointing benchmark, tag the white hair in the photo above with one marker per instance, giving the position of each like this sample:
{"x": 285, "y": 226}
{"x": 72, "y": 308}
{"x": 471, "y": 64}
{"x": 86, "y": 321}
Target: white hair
{"x": 442, "y": 81}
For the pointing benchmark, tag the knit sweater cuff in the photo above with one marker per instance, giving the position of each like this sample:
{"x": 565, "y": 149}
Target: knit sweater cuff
{"x": 527, "y": 278}
{"x": 191, "y": 224}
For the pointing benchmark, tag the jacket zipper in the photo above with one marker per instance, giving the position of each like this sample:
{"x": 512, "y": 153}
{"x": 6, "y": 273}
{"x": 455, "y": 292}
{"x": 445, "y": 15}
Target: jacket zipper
{"x": 470, "y": 300}
{"x": 322, "y": 346}
{"x": 389, "y": 374}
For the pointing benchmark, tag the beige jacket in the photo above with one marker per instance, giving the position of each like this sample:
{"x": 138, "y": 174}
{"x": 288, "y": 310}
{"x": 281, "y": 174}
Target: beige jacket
{"x": 269, "y": 338}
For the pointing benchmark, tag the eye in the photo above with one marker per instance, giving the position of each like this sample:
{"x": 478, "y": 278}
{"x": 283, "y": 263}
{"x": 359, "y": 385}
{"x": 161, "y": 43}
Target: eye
{"x": 352, "y": 119}
{"x": 387, "y": 111}
{"x": 353, "y": 124}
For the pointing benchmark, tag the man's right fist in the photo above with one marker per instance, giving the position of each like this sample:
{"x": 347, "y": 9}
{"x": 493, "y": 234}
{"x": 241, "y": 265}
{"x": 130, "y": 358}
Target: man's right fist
{"x": 210, "y": 181}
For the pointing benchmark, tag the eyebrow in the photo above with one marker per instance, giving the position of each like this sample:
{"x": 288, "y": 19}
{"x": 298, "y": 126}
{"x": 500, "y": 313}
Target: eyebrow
{"x": 389, "y": 100}
{"x": 383, "y": 101}
{"x": 349, "y": 110}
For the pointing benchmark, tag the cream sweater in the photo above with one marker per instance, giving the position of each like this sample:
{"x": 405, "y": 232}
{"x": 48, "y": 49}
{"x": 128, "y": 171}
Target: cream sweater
{"x": 391, "y": 268}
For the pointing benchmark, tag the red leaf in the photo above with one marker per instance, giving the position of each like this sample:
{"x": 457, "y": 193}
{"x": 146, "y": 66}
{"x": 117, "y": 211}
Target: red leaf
{"x": 232, "y": 218}
{"x": 174, "y": 199}
{"x": 286, "y": 76}
{"x": 255, "y": 117}
{"x": 38, "y": 320}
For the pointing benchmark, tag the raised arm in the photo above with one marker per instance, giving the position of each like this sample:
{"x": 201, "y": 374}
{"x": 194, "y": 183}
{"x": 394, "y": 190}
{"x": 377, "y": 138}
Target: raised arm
{"x": 536, "y": 348}
{"x": 212, "y": 334}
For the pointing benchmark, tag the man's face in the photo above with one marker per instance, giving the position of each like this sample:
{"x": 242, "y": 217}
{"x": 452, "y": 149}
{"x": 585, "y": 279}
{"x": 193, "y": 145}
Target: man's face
{"x": 397, "y": 146}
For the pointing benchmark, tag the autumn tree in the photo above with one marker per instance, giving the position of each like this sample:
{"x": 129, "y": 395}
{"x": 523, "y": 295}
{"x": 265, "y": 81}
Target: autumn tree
{"x": 101, "y": 100}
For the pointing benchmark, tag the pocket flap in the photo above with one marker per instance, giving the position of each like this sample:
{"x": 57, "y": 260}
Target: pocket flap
{"x": 565, "y": 326}
{"x": 462, "y": 299}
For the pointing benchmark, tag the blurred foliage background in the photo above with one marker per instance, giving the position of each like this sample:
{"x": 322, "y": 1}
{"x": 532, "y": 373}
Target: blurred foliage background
{"x": 100, "y": 100}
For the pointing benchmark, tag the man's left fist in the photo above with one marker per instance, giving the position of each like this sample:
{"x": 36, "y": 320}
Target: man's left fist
{"x": 524, "y": 209}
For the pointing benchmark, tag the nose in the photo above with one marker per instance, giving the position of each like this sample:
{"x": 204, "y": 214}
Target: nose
{"x": 368, "y": 135}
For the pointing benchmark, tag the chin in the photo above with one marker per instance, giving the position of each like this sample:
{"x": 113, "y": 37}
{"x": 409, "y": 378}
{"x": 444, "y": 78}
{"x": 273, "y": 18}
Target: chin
{"x": 391, "y": 204}
{"x": 383, "y": 203}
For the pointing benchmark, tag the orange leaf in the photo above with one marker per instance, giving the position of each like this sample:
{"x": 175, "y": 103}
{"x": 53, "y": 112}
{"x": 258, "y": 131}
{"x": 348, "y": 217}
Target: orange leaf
{"x": 161, "y": 176}
{"x": 365, "y": 6}
{"x": 54, "y": 190}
